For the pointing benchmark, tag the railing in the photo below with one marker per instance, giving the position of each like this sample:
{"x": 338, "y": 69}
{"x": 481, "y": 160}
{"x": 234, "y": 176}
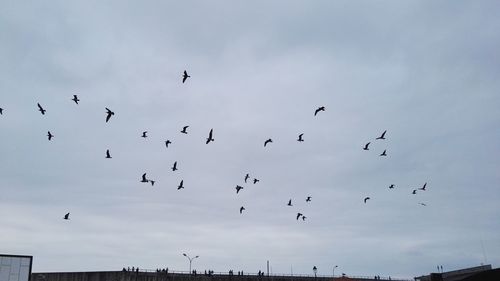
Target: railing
{"x": 278, "y": 275}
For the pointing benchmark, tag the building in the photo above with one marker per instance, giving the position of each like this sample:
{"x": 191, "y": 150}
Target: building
{"x": 456, "y": 275}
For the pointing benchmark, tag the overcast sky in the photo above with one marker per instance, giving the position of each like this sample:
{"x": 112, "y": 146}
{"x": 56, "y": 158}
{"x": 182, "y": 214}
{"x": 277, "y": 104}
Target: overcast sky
{"x": 425, "y": 71}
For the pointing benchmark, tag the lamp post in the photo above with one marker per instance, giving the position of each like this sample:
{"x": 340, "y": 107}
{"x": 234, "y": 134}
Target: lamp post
{"x": 190, "y": 260}
{"x": 315, "y": 269}
{"x": 333, "y": 272}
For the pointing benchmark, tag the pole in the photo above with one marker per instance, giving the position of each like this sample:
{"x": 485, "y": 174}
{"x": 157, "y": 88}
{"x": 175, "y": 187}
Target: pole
{"x": 267, "y": 268}
{"x": 190, "y": 260}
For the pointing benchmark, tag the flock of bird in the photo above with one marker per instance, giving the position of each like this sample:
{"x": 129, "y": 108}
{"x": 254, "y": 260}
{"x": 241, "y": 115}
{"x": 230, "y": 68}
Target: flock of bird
{"x": 392, "y": 186}
{"x": 210, "y": 138}
{"x": 109, "y": 114}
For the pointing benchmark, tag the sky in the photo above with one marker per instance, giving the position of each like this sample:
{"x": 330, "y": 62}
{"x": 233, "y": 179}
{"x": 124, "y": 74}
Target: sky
{"x": 425, "y": 71}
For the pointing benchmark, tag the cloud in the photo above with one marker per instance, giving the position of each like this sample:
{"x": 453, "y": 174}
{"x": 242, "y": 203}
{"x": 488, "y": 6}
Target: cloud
{"x": 423, "y": 71}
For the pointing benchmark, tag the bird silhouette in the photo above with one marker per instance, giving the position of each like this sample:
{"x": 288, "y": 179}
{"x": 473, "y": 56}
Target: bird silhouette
{"x": 298, "y": 216}
{"x": 247, "y": 176}
{"x": 109, "y": 113}
{"x": 322, "y": 108}
{"x": 300, "y": 138}
{"x": 144, "y": 134}
{"x": 185, "y": 76}
{"x": 107, "y": 154}
{"x": 75, "y": 99}
{"x": 304, "y": 217}
{"x": 1, "y": 111}
{"x": 241, "y": 209}
{"x": 267, "y": 141}
{"x": 184, "y": 129}
{"x": 382, "y": 137}
{"x": 289, "y": 203}
{"x": 210, "y": 138}
{"x": 174, "y": 167}
{"x": 366, "y": 146}
{"x": 181, "y": 185}
{"x": 384, "y": 153}
{"x": 144, "y": 178}
{"x": 167, "y": 142}
{"x": 423, "y": 187}
{"x": 255, "y": 181}
{"x": 66, "y": 217}
{"x": 49, "y": 135}
{"x": 414, "y": 191}
{"x": 40, "y": 108}
{"x": 391, "y": 186}
{"x": 152, "y": 182}
{"x": 366, "y": 199}
{"x": 308, "y": 199}
{"x": 423, "y": 204}
{"x": 238, "y": 188}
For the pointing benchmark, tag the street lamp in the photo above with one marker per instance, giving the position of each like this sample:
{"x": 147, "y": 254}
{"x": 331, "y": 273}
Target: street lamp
{"x": 190, "y": 260}
{"x": 315, "y": 269}
{"x": 333, "y": 272}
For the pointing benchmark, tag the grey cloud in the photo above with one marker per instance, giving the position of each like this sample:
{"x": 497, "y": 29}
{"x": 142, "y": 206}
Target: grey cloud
{"x": 424, "y": 71}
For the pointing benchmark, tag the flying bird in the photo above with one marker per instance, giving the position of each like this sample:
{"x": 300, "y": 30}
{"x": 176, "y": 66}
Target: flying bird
{"x": 66, "y": 217}
{"x": 181, "y": 185}
{"x": 308, "y": 199}
{"x": 174, "y": 168}
{"x": 152, "y": 182}
{"x": 40, "y": 108}
{"x": 185, "y": 76}
{"x": 322, "y": 108}
{"x": 304, "y": 217}
{"x": 247, "y": 176}
{"x": 299, "y": 215}
{"x": 414, "y": 191}
{"x": 167, "y": 142}
{"x": 109, "y": 114}
{"x": 184, "y": 129}
{"x": 255, "y": 181}
{"x": 238, "y": 188}
{"x": 384, "y": 153}
{"x": 391, "y": 186}
{"x": 210, "y": 138}
{"x": 241, "y": 209}
{"x": 1, "y": 111}
{"x": 50, "y": 135}
{"x": 366, "y": 146}
{"x": 382, "y": 137}
{"x": 144, "y": 134}
{"x": 144, "y": 178}
{"x": 267, "y": 141}
{"x": 423, "y": 204}
{"x": 366, "y": 199}
{"x": 423, "y": 187}
{"x": 108, "y": 156}
{"x": 300, "y": 137}
{"x": 289, "y": 203}
{"x": 75, "y": 99}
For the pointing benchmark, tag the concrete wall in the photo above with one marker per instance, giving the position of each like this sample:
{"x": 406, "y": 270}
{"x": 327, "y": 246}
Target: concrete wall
{"x": 162, "y": 276}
